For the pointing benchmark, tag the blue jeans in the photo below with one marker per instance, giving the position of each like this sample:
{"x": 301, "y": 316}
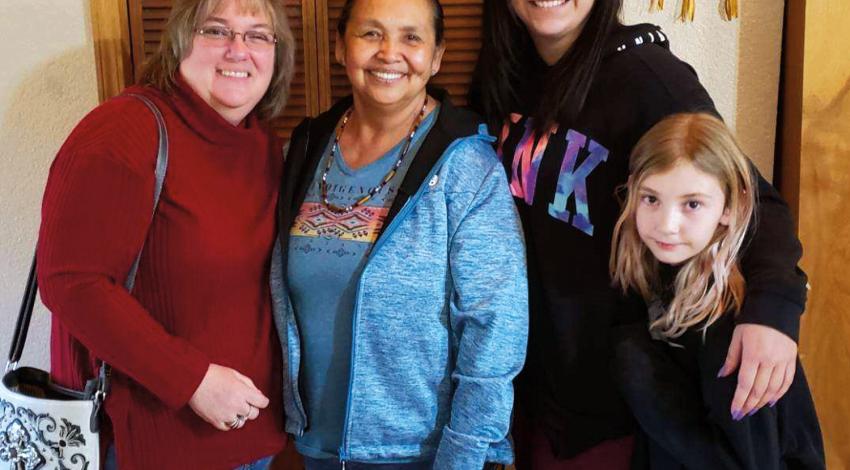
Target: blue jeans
{"x": 262, "y": 464}
{"x": 333, "y": 464}
{"x": 111, "y": 462}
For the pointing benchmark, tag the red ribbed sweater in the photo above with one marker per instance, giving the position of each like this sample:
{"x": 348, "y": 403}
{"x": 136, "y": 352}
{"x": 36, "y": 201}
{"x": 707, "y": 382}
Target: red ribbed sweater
{"x": 202, "y": 292}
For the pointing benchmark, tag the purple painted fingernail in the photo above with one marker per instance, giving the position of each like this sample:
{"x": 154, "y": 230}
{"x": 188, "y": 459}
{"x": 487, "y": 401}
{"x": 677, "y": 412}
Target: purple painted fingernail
{"x": 736, "y": 415}
{"x": 752, "y": 412}
{"x": 773, "y": 403}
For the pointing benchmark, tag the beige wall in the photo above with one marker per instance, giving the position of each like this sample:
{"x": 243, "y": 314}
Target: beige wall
{"x": 759, "y": 62}
{"x": 50, "y": 83}
{"x": 737, "y": 61}
{"x": 46, "y": 85}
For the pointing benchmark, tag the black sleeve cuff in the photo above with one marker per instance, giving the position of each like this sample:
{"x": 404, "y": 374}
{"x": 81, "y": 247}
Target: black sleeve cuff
{"x": 772, "y": 310}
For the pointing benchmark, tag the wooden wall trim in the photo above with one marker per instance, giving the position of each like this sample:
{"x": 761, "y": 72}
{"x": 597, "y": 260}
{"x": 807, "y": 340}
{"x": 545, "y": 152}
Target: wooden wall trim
{"x": 790, "y": 124}
{"x": 136, "y": 46}
{"x": 311, "y": 62}
{"x": 323, "y": 54}
{"x": 111, "y": 35}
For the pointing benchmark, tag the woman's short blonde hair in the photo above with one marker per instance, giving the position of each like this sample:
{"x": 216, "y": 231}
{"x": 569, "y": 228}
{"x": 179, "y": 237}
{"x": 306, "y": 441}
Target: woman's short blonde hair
{"x": 161, "y": 69}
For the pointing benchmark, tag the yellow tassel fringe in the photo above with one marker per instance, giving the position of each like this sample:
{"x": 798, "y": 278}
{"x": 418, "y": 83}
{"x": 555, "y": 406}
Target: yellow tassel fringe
{"x": 731, "y": 10}
{"x": 728, "y": 9}
{"x": 688, "y": 9}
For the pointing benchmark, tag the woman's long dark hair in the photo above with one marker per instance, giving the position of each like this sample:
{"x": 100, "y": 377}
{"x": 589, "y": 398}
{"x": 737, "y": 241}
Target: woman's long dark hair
{"x": 507, "y": 54}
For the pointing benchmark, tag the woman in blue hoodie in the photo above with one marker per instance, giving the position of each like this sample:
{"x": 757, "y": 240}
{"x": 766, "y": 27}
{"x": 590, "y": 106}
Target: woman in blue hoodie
{"x": 399, "y": 276}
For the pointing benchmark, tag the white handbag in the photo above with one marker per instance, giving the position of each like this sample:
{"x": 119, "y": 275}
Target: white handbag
{"x": 44, "y": 426}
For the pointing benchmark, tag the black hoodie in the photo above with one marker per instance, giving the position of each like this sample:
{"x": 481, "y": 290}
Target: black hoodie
{"x": 565, "y": 185}
{"x": 683, "y": 407}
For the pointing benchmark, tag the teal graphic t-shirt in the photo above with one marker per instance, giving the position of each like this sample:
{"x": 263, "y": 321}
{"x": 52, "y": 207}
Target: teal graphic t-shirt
{"x": 327, "y": 253}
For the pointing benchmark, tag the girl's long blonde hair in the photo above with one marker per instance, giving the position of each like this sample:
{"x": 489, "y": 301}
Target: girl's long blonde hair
{"x": 710, "y": 283}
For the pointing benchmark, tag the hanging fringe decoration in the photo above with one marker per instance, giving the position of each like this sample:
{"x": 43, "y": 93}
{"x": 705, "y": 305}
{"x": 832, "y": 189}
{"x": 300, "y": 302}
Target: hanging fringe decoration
{"x": 728, "y": 9}
{"x": 687, "y": 11}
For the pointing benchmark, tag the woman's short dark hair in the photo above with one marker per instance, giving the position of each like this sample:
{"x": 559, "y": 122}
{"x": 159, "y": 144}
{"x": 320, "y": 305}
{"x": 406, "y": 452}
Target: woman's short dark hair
{"x": 161, "y": 69}
{"x": 508, "y": 53}
{"x": 439, "y": 21}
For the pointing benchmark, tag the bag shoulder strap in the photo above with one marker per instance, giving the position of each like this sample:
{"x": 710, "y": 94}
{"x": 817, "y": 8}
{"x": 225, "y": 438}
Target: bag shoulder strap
{"x": 159, "y": 174}
{"x": 25, "y": 313}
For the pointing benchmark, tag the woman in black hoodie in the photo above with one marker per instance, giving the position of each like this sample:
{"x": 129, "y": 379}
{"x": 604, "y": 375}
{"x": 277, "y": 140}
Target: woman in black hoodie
{"x": 569, "y": 90}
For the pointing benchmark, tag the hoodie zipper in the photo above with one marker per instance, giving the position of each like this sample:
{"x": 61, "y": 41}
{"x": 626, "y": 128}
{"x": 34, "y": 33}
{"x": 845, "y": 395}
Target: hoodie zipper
{"x": 296, "y": 387}
{"x": 294, "y": 383}
{"x": 402, "y": 214}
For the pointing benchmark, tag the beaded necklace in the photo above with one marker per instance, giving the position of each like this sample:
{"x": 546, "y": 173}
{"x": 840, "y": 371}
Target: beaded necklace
{"x": 384, "y": 181}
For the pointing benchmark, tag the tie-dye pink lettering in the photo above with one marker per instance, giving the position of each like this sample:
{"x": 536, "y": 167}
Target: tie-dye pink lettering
{"x": 572, "y": 181}
{"x": 526, "y": 162}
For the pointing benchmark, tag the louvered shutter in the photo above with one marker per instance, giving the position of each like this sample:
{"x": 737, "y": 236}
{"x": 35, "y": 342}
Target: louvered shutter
{"x": 339, "y": 85}
{"x": 463, "y": 40}
{"x": 147, "y": 21}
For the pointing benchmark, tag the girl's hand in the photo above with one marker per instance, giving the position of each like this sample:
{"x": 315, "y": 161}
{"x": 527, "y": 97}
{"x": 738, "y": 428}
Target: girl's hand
{"x": 224, "y": 395}
{"x": 768, "y": 361}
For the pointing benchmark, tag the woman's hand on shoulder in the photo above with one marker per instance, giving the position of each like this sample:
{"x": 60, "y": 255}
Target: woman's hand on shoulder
{"x": 225, "y": 396}
{"x": 768, "y": 362}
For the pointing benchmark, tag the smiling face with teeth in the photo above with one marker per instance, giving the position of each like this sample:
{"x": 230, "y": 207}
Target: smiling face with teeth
{"x": 389, "y": 51}
{"x": 229, "y": 76}
{"x": 554, "y": 25}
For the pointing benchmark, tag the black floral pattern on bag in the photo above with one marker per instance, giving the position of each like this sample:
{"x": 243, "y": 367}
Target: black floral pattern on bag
{"x": 32, "y": 441}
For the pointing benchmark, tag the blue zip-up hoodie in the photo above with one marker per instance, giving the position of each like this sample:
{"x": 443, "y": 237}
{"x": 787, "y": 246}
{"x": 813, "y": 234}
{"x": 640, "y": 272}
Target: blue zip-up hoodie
{"x": 440, "y": 319}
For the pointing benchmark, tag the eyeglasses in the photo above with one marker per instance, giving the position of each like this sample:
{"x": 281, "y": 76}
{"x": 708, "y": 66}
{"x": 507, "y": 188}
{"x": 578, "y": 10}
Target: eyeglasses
{"x": 257, "y": 40}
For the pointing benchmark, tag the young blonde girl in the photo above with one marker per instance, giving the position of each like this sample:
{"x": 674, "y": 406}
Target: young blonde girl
{"x": 689, "y": 206}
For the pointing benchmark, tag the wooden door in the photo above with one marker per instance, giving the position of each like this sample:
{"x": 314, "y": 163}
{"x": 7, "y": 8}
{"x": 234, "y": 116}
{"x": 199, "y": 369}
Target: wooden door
{"x": 815, "y": 163}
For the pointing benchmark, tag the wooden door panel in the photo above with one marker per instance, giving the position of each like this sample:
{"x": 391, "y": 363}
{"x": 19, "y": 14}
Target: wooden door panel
{"x": 463, "y": 40}
{"x": 301, "y": 98}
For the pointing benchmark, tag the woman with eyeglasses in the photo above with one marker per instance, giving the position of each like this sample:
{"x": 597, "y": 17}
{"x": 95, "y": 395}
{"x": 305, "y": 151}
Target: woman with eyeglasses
{"x": 196, "y": 364}
{"x": 399, "y": 278}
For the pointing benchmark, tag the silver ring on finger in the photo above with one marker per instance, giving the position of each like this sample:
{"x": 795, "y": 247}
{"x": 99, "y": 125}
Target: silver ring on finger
{"x": 236, "y": 423}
